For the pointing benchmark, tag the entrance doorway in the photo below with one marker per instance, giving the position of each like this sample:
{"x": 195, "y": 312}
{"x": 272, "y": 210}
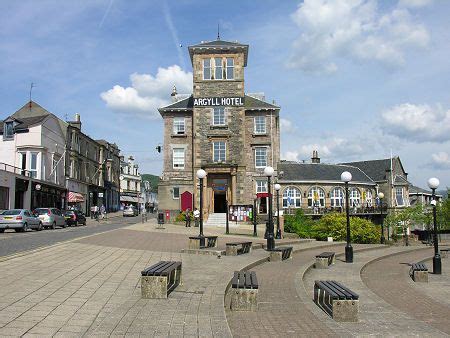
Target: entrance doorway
{"x": 220, "y": 202}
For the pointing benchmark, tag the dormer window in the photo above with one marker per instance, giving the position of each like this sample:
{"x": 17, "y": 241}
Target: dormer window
{"x": 8, "y": 130}
{"x": 218, "y": 68}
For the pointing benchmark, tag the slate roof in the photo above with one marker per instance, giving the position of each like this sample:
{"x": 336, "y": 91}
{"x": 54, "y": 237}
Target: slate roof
{"x": 24, "y": 123}
{"x": 225, "y": 46}
{"x": 375, "y": 169}
{"x": 320, "y": 172}
{"x": 251, "y": 103}
{"x": 417, "y": 190}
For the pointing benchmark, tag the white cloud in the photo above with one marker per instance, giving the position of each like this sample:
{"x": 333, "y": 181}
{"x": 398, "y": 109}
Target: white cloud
{"x": 287, "y": 126}
{"x": 148, "y": 93}
{"x": 333, "y": 29}
{"x": 417, "y": 122}
{"x": 440, "y": 160}
{"x": 414, "y": 3}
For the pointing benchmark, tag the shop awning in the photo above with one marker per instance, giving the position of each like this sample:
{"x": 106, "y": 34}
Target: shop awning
{"x": 262, "y": 194}
{"x": 74, "y": 197}
{"x": 130, "y": 199}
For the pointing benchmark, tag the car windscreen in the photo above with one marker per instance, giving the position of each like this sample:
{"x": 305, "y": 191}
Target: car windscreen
{"x": 68, "y": 213}
{"x": 41, "y": 211}
{"x": 12, "y": 212}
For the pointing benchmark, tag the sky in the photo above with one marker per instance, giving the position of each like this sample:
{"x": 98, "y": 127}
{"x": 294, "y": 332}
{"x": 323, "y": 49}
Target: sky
{"x": 355, "y": 79}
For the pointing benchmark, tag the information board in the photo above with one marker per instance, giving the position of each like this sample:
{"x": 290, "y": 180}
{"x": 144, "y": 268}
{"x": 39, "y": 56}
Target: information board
{"x": 240, "y": 213}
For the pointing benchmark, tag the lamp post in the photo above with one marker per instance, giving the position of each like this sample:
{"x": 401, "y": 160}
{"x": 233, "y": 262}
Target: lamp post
{"x": 347, "y": 177}
{"x": 268, "y": 171}
{"x": 255, "y": 234}
{"x": 201, "y": 174}
{"x": 433, "y": 183}
{"x": 277, "y": 189}
{"x": 227, "y": 225}
{"x": 381, "y": 196}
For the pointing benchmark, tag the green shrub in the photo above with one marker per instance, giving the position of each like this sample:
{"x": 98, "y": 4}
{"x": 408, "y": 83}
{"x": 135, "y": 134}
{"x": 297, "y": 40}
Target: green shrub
{"x": 181, "y": 217}
{"x": 298, "y": 224}
{"x": 335, "y": 225}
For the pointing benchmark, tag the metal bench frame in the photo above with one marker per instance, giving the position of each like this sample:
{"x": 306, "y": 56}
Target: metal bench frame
{"x": 286, "y": 253}
{"x": 238, "y": 248}
{"x": 160, "y": 279}
{"x": 419, "y": 272}
{"x": 244, "y": 291}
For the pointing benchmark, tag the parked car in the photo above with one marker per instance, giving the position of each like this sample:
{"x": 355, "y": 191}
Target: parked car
{"x": 74, "y": 217}
{"x": 20, "y": 220}
{"x": 51, "y": 217}
{"x": 130, "y": 211}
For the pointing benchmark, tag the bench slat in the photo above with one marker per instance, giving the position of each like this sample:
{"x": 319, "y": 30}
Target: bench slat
{"x": 336, "y": 290}
{"x": 241, "y": 280}
{"x": 254, "y": 280}
{"x": 234, "y": 281}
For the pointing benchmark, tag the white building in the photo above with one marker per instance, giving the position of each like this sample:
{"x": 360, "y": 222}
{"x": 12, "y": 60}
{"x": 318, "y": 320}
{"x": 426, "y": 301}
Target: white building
{"x": 130, "y": 183}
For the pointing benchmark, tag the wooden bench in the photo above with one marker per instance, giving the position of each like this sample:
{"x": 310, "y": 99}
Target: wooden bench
{"x": 158, "y": 280}
{"x": 280, "y": 253}
{"x": 202, "y": 242}
{"x": 238, "y": 248}
{"x": 419, "y": 272}
{"x": 324, "y": 260}
{"x": 444, "y": 252}
{"x": 338, "y": 301}
{"x": 244, "y": 291}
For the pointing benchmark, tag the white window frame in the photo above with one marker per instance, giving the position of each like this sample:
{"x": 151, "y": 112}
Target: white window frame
{"x": 224, "y": 65}
{"x": 204, "y": 64}
{"x": 176, "y": 197}
{"x": 34, "y": 172}
{"x": 354, "y": 197}
{"x": 261, "y": 186}
{"x": 218, "y": 68}
{"x": 368, "y": 198}
{"x": 178, "y": 161}
{"x": 257, "y": 156}
{"x": 397, "y": 195}
{"x": 220, "y": 151}
{"x": 337, "y": 196}
{"x": 229, "y": 67}
{"x": 221, "y": 118}
{"x": 179, "y": 126}
{"x": 295, "y": 195}
{"x": 311, "y": 197}
{"x": 257, "y": 124}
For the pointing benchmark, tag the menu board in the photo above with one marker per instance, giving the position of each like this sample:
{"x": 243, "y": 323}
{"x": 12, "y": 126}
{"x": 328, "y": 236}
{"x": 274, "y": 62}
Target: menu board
{"x": 240, "y": 213}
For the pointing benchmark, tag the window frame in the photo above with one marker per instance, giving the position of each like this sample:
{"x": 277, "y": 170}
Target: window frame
{"x": 321, "y": 197}
{"x": 256, "y": 157}
{"x": 224, "y": 66}
{"x": 218, "y": 68}
{"x": 8, "y": 130}
{"x": 173, "y": 193}
{"x": 295, "y": 194}
{"x": 340, "y": 198}
{"x": 218, "y": 109}
{"x": 209, "y": 68}
{"x": 220, "y": 151}
{"x": 227, "y": 67}
{"x": 177, "y": 164}
{"x": 177, "y": 123}
{"x": 402, "y": 195}
{"x": 256, "y": 124}
{"x": 261, "y": 188}
{"x": 33, "y": 171}
{"x": 352, "y": 198}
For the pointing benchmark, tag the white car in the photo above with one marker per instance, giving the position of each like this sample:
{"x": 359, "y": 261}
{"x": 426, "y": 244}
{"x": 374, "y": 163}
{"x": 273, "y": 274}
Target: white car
{"x": 130, "y": 211}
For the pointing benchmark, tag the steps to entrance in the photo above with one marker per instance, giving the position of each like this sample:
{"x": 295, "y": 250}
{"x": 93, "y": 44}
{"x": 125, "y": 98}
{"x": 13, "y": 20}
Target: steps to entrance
{"x": 218, "y": 220}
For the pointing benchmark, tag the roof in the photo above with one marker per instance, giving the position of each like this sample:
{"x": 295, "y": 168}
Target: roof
{"x": 218, "y": 45}
{"x": 400, "y": 179}
{"x": 294, "y": 171}
{"x": 250, "y": 103}
{"x": 375, "y": 169}
{"x": 416, "y": 190}
{"x": 24, "y": 123}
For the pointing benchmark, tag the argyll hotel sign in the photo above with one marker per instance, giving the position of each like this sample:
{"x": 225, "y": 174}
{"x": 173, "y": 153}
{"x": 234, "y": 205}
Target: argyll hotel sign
{"x": 218, "y": 101}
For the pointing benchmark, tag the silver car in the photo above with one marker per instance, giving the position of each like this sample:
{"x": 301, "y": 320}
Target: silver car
{"x": 130, "y": 211}
{"x": 51, "y": 217}
{"x": 20, "y": 220}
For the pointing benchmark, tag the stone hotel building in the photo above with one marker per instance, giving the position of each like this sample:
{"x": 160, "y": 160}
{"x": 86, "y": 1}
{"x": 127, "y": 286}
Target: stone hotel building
{"x": 232, "y": 135}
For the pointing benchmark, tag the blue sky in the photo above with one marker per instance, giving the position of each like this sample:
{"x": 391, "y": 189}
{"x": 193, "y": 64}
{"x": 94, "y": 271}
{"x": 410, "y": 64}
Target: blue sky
{"x": 355, "y": 78}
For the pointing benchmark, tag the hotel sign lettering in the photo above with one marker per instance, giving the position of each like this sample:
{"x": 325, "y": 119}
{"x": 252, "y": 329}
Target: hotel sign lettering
{"x": 218, "y": 101}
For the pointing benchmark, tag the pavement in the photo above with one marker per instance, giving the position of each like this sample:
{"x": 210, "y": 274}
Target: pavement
{"x": 90, "y": 286}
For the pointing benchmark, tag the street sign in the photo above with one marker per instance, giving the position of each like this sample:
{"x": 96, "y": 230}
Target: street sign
{"x": 100, "y": 194}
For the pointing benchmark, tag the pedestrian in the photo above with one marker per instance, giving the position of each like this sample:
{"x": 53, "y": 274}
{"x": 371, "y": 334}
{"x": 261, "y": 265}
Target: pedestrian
{"x": 188, "y": 218}
{"x": 196, "y": 217}
{"x": 96, "y": 212}
{"x": 103, "y": 211}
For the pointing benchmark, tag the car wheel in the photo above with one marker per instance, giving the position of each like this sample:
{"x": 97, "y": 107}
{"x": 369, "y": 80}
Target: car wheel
{"x": 53, "y": 226}
{"x": 40, "y": 227}
{"x": 64, "y": 225}
{"x": 24, "y": 228}
{"x": 75, "y": 224}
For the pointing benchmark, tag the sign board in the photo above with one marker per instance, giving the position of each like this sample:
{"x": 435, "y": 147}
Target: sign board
{"x": 240, "y": 213}
{"x": 237, "y": 101}
{"x": 100, "y": 194}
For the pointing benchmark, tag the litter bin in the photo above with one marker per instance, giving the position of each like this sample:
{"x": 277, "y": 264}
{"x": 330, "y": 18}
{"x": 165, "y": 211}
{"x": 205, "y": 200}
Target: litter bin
{"x": 160, "y": 218}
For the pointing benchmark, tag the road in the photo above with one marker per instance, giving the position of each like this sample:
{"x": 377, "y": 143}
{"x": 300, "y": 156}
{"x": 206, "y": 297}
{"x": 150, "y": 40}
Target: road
{"x": 12, "y": 242}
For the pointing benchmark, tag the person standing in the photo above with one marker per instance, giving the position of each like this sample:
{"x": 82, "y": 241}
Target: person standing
{"x": 103, "y": 211}
{"x": 196, "y": 217}
{"x": 188, "y": 218}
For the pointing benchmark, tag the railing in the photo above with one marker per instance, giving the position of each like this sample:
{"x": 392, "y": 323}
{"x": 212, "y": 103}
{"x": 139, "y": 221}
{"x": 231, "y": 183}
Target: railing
{"x": 15, "y": 170}
{"x": 322, "y": 211}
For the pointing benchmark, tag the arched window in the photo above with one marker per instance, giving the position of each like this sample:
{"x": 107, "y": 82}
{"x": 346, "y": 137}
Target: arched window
{"x": 368, "y": 198}
{"x": 355, "y": 197}
{"x": 337, "y": 198}
{"x": 316, "y": 197}
{"x": 292, "y": 197}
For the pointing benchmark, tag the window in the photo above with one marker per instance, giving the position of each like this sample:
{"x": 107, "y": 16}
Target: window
{"x": 292, "y": 197}
{"x": 219, "y": 116}
{"x": 178, "y": 126}
{"x": 230, "y": 69}
{"x": 72, "y": 169}
{"x": 8, "y": 131}
{"x": 260, "y": 157}
{"x": 260, "y": 124}
{"x": 399, "y": 196}
{"x": 316, "y": 197}
{"x": 33, "y": 165}
{"x": 368, "y": 198}
{"x": 23, "y": 163}
{"x": 337, "y": 198}
{"x": 261, "y": 186}
{"x": 219, "y": 151}
{"x": 206, "y": 69}
{"x": 355, "y": 197}
{"x": 176, "y": 192}
{"x": 218, "y": 68}
{"x": 178, "y": 158}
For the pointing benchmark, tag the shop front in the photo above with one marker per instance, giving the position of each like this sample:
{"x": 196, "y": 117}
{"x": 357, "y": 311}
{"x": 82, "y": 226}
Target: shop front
{"x": 96, "y": 198}
{"x": 77, "y": 195}
{"x": 44, "y": 195}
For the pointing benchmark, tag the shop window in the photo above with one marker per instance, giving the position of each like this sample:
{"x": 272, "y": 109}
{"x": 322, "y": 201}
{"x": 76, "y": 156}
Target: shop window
{"x": 219, "y": 116}
{"x": 292, "y": 198}
{"x": 260, "y": 157}
{"x": 219, "y": 151}
{"x": 179, "y": 127}
{"x": 316, "y": 198}
{"x": 260, "y": 124}
{"x": 178, "y": 158}
{"x": 176, "y": 192}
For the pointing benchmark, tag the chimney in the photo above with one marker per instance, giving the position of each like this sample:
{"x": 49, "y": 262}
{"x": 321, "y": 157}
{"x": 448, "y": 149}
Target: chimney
{"x": 174, "y": 94}
{"x": 77, "y": 123}
{"x": 315, "y": 157}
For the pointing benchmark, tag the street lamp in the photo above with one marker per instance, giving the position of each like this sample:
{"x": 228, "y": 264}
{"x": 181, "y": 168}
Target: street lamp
{"x": 347, "y": 177}
{"x": 201, "y": 174}
{"x": 268, "y": 171}
{"x": 381, "y": 196}
{"x": 433, "y": 183}
{"x": 277, "y": 189}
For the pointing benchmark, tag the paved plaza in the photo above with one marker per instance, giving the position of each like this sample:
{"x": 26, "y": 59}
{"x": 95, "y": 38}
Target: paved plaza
{"x": 90, "y": 286}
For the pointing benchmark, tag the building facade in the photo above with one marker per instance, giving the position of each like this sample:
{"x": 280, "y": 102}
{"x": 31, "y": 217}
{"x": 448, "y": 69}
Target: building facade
{"x": 130, "y": 183}
{"x": 110, "y": 173}
{"x": 233, "y": 136}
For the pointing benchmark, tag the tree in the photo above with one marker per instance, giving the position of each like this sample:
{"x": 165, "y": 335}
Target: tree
{"x": 298, "y": 224}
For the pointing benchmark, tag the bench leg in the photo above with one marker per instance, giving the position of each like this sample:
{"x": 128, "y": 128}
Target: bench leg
{"x": 244, "y": 299}
{"x": 231, "y": 250}
{"x": 194, "y": 243}
{"x": 321, "y": 263}
{"x": 444, "y": 254}
{"x": 420, "y": 276}
{"x": 154, "y": 287}
{"x": 275, "y": 256}
{"x": 345, "y": 310}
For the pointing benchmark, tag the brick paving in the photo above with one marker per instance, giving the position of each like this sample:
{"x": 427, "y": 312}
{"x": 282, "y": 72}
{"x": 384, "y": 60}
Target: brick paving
{"x": 397, "y": 288}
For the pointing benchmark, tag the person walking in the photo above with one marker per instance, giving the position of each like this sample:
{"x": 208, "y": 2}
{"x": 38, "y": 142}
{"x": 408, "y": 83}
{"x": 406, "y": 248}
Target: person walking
{"x": 103, "y": 211}
{"x": 96, "y": 212}
{"x": 196, "y": 217}
{"x": 188, "y": 218}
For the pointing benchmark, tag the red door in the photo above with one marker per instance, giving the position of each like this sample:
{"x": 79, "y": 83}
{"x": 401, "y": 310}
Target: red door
{"x": 186, "y": 201}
